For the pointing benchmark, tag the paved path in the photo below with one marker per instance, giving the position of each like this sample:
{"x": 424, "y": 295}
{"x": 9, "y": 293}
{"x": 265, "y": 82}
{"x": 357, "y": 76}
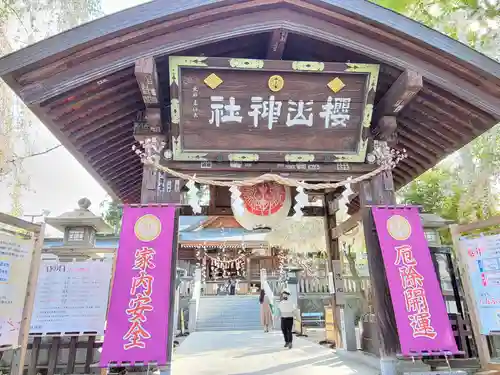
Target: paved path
{"x": 258, "y": 353}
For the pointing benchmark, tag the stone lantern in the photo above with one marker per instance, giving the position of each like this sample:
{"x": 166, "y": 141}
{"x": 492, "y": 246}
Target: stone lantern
{"x": 80, "y": 227}
{"x": 432, "y": 223}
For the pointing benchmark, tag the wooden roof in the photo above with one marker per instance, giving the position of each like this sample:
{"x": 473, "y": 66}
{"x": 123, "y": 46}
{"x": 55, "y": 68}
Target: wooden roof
{"x": 81, "y": 83}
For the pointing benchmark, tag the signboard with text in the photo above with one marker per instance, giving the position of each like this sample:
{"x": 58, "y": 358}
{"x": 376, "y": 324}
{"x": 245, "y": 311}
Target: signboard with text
{"x": 71, "y": 297}
{"x": 244, "y": 110}
{"x": 15, "y": 260}
{"x": 482, "y": 256}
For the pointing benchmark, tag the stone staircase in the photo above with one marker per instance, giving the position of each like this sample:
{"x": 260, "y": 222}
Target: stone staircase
{"x": 228, "y": 313}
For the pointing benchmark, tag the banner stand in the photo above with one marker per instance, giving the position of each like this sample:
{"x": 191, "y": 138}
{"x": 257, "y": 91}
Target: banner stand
{"x": 146, "y": 260}
{"x": 421, "y": 317}
{"x": 37, "y": 235}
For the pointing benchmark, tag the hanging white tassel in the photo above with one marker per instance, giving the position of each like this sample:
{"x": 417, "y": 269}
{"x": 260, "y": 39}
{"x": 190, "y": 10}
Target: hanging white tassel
{"x": 301, "y": 200}
{"x": 193, "y": 197}
{"x": 238, "y": 204}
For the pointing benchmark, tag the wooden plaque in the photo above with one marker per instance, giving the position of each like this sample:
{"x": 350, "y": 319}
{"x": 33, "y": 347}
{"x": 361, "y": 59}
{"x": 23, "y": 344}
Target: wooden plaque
{"x": 245, "y": 110}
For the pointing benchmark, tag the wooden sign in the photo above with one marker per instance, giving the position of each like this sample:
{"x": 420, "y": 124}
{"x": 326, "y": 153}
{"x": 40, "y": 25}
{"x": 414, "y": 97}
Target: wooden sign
{"x": 270, "y": 111}
{"x": 168, "y": 189}
{"x": 148, "y": 124}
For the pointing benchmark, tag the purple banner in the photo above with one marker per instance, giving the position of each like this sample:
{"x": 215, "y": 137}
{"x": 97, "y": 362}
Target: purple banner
{"x": 140, "y": 306}
{"x": 421, "y": 316}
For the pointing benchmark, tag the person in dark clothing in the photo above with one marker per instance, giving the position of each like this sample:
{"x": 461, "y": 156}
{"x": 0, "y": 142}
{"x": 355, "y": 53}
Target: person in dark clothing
{"x": 232, "y": 286}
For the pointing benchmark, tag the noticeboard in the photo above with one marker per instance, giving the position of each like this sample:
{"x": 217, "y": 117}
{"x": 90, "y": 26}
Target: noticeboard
{"x": 71, "y": 297}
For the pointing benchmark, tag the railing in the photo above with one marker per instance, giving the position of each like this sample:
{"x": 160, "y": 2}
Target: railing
{"x": 310, "y": 285}
{"x": 186, "y": 287}
{"x": 58, "y": 355}
{"x": 194, "y": 303}
{"x": 355, "y": 286}
{"x": 313, "y": 285}
{"x": 255, "y": 274}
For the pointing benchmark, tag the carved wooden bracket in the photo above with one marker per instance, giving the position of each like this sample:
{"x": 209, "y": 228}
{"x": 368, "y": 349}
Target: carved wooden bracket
{"x": 395, "y": 99}
{"x": 148, "y": 124}
{"x": 277, "y": 44}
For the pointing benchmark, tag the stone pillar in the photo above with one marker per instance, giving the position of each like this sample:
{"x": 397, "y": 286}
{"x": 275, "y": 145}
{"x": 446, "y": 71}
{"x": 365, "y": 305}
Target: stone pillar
{"x": 348, "y": 324}
{"x": 293, "y": 286}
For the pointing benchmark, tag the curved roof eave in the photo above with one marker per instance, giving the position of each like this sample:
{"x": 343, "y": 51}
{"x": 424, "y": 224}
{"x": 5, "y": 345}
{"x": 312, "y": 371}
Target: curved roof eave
{"x": 159, "y": 9}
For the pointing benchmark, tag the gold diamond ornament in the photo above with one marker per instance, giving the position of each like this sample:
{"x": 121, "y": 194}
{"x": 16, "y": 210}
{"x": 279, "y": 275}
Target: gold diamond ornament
{"x": 213, "y": 81}
{"x": 336, "y": 85}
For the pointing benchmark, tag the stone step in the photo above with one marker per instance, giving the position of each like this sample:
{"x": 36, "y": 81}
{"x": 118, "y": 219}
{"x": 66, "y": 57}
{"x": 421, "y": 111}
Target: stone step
{"x": 228, "y": 321}
{"x": 228, "y": 329}
{"x": 229, "y": 312}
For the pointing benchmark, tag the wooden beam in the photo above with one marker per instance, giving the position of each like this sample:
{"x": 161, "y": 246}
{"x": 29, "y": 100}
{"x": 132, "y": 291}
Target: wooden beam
{"x": 267, "y": 167}
{"x": 104, "y": 168}
{"x": 126, "y": 121}
{"x": 395, "y": 99}
{"x": 88, "y": 91}
{"x": 101, "y": 123}
{"x": 242, "y": 174}
{"x": 347, "y": 225}
{"x": 112, "y": 106}
{"x": 147, "y": 78}
{"x": 123, "y": 146}
{"x": 98, "y": 144}
{"x": 399, "y": 94}
{"x": 19, "y": 223}
{"x": 277, "y": 44}
{"x": 69, "y": 112}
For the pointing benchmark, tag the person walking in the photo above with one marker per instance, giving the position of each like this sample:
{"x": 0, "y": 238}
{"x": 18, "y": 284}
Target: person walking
{"x": 266, "y": 315}
{"x": 232, "y": 286}
{"x": 287, "y": 310}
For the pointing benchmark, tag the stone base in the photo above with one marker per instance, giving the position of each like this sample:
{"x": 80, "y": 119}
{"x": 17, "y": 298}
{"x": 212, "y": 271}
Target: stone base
{"x": 412, "y": 366}
{"x": 389, "y": 366}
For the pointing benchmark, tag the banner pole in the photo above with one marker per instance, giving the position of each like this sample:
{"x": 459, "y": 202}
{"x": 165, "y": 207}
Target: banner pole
{"x": 19, "y": 355}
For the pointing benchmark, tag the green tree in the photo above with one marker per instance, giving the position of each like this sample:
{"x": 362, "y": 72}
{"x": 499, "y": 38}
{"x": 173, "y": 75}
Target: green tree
{"x": 437, "y": 191}
{"x": 112, "y": 214}
{"x": 464, "y": 188}
{"x": 473, "y": 22}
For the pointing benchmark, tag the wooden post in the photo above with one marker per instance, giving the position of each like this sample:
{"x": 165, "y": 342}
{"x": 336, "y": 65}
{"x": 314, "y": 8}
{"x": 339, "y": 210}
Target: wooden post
{"x": 371, "y": 193}
{"x": 53, "y": 355}
{"x": 19, "y": 354}
{"x": 332, "y": 246}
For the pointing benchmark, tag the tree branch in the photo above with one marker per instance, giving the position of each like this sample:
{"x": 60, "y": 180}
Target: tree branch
{"x": 18, "y": 16}
{"x": 35, "y": 154}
